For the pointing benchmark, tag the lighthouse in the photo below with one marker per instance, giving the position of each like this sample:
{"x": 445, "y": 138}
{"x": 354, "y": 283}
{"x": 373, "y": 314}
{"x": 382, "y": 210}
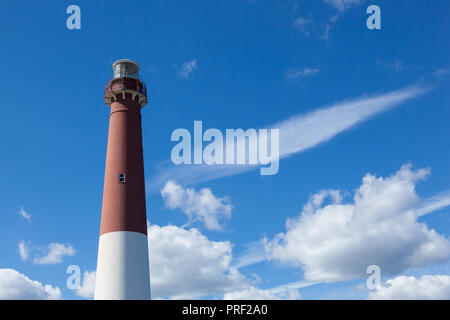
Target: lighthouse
{"x": 123, "y": 264}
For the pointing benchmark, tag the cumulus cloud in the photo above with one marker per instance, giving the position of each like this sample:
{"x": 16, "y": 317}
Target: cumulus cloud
{"x": 333, "y": 241}
{"x": 423, "y": 288}
{"x": 293, "y": 73}
{"x": 87, "y": 288}
{"x": 253, "y": 293}
{"x": 24, "y": 250}
{"x": 200, "y": 206}
{"x": 16, "y": 286}
{"x": 54, "y": 253}
{"x": 24, "y": 214}
{"x": 185, "y": 264}
{"x": 187, "y": 68}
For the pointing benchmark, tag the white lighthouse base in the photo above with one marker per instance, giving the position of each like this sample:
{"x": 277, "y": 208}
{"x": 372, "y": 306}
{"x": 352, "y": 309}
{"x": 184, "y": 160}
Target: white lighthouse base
{"x": 122, "y": 267}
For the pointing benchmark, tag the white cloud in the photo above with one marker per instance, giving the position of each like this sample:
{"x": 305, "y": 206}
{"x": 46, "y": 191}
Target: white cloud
{"x": 54, "y": 253}
{"x": 440, "y": 73}
{"x": 337, "y": 241}
{"x": 185, "y": 264}
{"x": 187, "y": 68}
{"x": 293, "y": 73}
{"x": 297, "y": 134}
{"x": 327, "y": 31}
{"x": 306, "y": 131}
{"x": 16, "y": 286}
{"x": 397, "y": 65}
{"x": 288, "y": 291}
{"x": 302, "y": 24}
{"x": 343, "y": 5}
{"x": 24, "y": 250}
{"x": 87, "y": 286}
{"x": 330, "y": 23}
{"x": 423, "y": 288}
{"x": 253, "y": 293}
{"x": 253, "y": 254}
{"x": 200, "y": 206}
{"x": 24, "y": 214}
{"x": 434, "y": 203}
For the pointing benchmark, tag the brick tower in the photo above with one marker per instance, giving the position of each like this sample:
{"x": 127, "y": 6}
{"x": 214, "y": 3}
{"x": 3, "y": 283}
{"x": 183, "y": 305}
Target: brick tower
{"x": 123, "y": 265}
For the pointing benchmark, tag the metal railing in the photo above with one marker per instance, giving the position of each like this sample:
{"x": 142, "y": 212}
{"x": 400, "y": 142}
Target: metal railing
{"x": 140, "y": 84}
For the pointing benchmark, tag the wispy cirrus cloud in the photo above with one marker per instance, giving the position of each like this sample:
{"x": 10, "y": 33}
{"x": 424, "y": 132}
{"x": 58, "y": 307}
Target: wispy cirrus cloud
{"x": 302, "y": 132}
{"x": 293, "y": 73}
{"x": 343, "y": 5}
{"x": 396, "y": 65}
{"x": 440, "y": 73}
{"x": 434, "y": 203}
{"x": 297, "y": 134}
{"x": 303, "y": 25}
{"x": 24, "y": 214}
{"x": 187, "y": 69}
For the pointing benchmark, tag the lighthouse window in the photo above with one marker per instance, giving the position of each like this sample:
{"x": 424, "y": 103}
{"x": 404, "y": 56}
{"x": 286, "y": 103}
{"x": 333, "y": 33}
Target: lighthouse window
{"x": 122, "y": 177}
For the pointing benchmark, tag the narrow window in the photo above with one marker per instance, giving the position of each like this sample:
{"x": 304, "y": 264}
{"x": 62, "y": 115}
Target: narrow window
{"x": 122, "y": 177}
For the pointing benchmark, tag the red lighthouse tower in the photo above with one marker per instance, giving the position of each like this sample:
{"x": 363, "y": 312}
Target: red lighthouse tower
{"x": 123, "y": 265}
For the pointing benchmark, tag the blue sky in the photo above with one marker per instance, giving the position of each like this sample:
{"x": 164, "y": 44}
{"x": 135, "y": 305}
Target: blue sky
{"x": 234, "y": 64}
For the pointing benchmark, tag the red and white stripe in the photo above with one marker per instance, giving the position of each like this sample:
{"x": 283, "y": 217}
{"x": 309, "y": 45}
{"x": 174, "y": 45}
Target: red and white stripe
{"x": 123, "y": 262}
